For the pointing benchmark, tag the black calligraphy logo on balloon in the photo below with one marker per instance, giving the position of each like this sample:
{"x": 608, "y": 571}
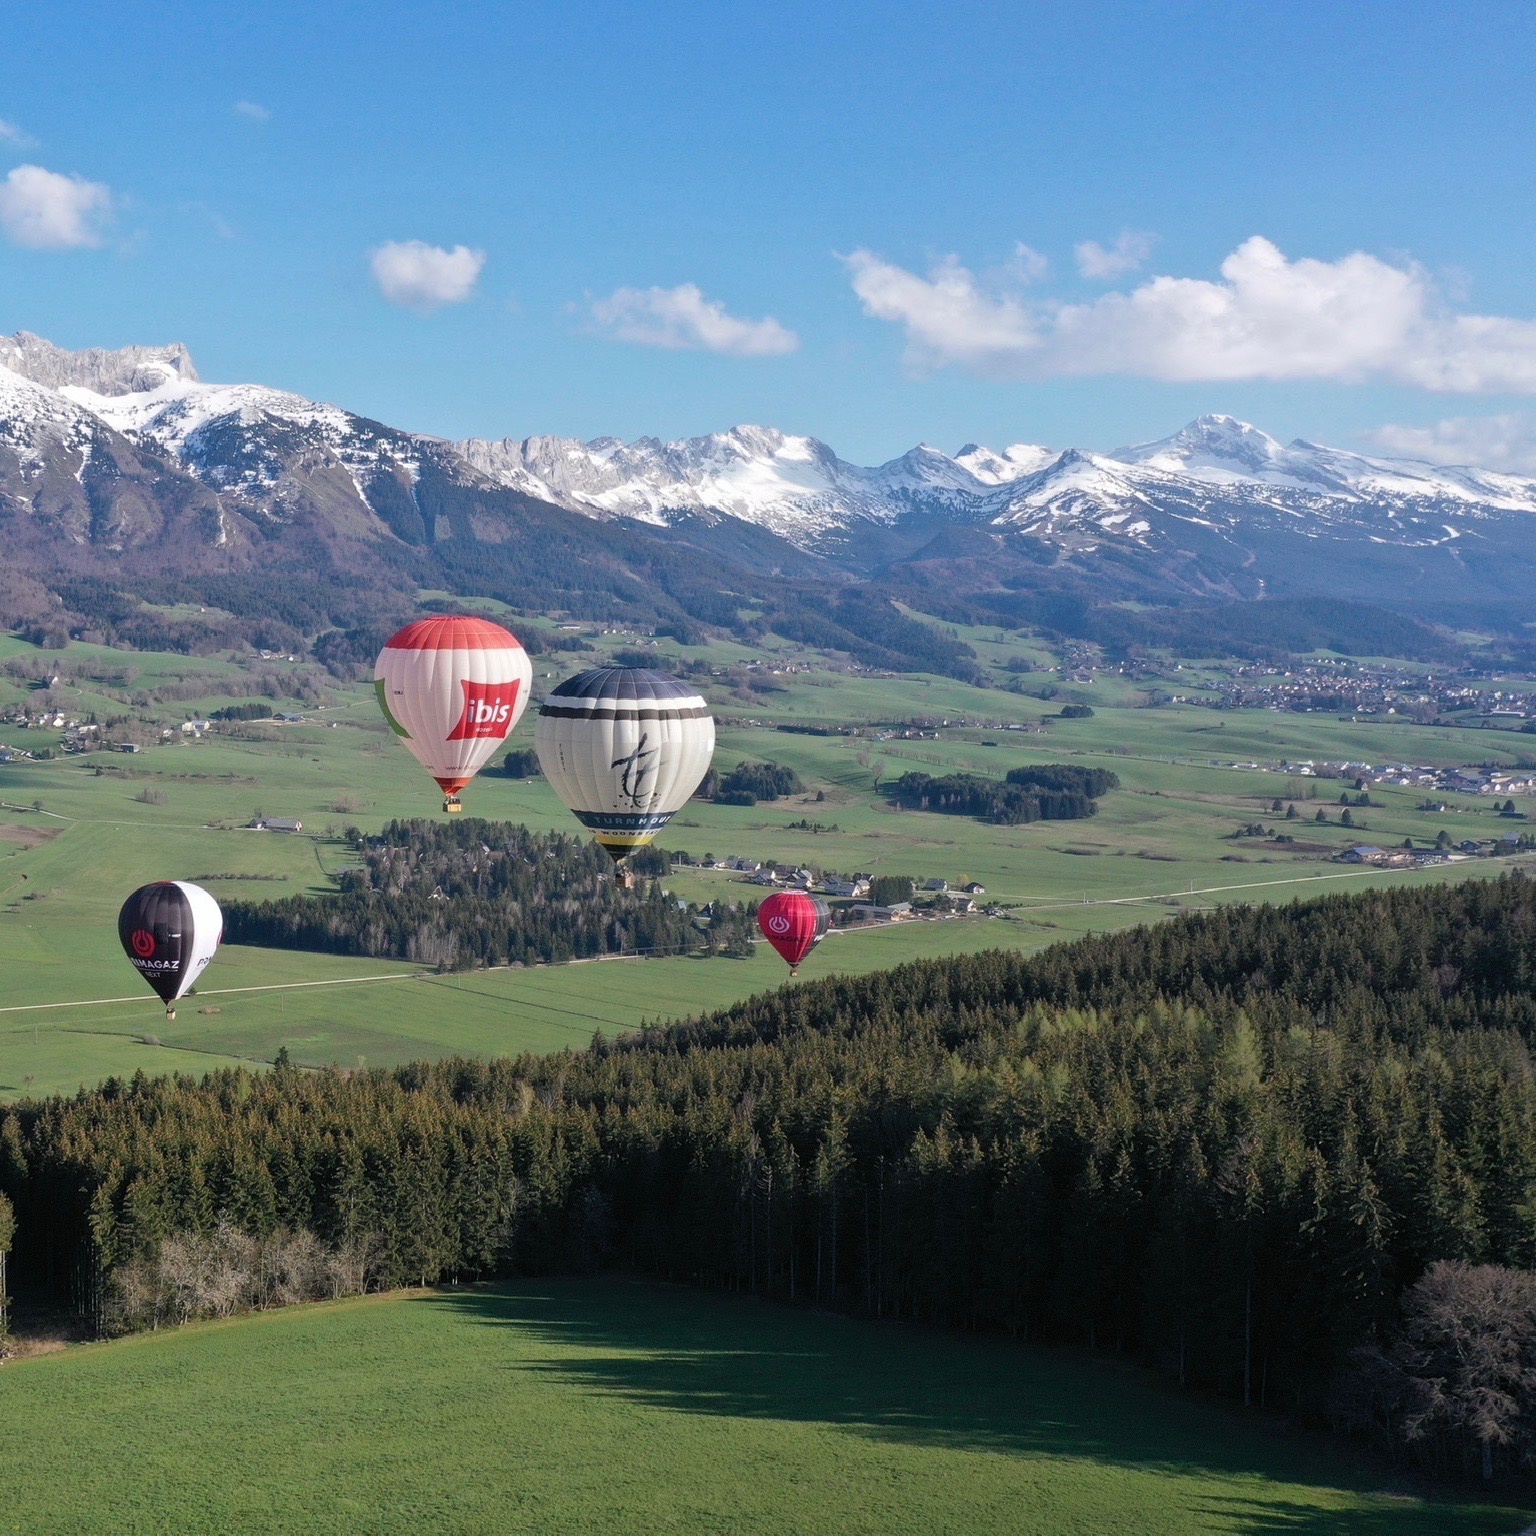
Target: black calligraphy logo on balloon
{"x": 636, "y": 766}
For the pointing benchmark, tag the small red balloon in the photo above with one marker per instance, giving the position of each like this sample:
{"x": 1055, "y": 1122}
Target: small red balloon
{"x": 794, "y": 923}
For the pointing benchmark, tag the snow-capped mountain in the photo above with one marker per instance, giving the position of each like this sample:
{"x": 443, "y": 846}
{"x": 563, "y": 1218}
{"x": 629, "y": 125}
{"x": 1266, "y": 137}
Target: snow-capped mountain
{"x": 265, "y": 451}
{"x": 131, "y": 450}
{"x": 1222, "y": 451}
{"x": 1217, "y": 478}
{"x": 106, "y": 372}
{"x": 998, "y": 468}
{"x": 73, "y": 469}
{"x": 796, "y": 487}
{"x": 1237, "y": 498}
{"x": 263, "y": 457}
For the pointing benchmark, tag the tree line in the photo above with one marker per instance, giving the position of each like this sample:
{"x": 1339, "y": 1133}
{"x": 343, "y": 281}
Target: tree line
{"x": 747, "y": 783}
{"x": 1236, "y": 1145}
{"x": 1046, "y": 792}
{"x": 475, "y": 893}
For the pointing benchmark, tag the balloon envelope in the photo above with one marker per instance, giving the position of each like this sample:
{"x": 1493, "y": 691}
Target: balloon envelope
{"x": 170, "y": 930}
{"x": 794, "y": 922}
{"x": 624, "y": 748}
{"x": 452, "y": 688}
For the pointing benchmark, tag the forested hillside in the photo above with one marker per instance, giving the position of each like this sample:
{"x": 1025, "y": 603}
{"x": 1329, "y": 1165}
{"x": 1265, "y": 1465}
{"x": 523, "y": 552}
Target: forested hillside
{"x": 1228, "y": 1144}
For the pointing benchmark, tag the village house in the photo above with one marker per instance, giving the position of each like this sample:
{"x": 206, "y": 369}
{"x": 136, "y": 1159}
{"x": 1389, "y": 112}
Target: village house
{"x": 1363, "y": 853}
{"x": 868, "y": 912}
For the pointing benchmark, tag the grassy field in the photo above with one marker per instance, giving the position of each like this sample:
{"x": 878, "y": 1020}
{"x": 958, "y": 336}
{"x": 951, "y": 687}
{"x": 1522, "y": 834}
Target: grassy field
{"x": 78, "y": 833}
{"x": 623, "y": 1406}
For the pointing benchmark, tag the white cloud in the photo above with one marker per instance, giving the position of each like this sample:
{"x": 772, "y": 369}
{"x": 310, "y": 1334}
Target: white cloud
{"x": 1104, "y": 263}
{"x": 1026, "y": 265}
{"x": 1486, "y": 442}
{"x": 424, "y": 276}
{"x": 1353, "y": 319}
{"x": 253, "y": 110}
{"x": 683, "y": 319}
{"x": 947, "y": 316}
{"x": 47, "y": 211}
{"x": 13, "y": 133}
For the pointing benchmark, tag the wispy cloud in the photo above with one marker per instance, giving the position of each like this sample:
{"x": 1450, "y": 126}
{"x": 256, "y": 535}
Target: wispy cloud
{"x": 1104, "y": 263}
{"x": 252, "y": 110}
{"x": 15, "y": 135}
{"x": 48, "y": 211}
{"x": 423, "y": 276}
{"x": 1355, "y": 319}
{"x": 683, "y": 319}
{"x": 1026, "y": 265}
{"x": 1506, "y": 442}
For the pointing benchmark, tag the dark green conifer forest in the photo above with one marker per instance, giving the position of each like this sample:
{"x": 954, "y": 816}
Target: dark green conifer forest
{"x": 1046, "y": 792}
{"x": 473, "y": 893}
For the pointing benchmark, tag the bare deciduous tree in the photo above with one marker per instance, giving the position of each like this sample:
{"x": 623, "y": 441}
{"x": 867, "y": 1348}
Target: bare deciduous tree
{"x": 7, "y": 1232}
{"x": 196, "y": 1275}
{"x": 1459, "y": 1384}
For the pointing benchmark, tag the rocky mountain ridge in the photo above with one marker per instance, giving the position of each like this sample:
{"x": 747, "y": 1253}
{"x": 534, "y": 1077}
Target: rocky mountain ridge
{"x": 129, "y": 454}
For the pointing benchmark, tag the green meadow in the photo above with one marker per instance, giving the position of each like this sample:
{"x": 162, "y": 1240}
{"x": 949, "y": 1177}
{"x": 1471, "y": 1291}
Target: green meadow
{"x": 78, "y": 833}
{"x": 626, "y": 1406}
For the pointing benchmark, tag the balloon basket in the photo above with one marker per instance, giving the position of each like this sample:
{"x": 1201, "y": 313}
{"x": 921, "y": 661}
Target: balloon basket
{"x": 170, "y": 1013}
{"x": 451, "y": 805}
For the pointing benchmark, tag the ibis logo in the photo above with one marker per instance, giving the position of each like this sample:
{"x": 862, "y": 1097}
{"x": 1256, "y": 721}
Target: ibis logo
{"x": 488, "y": 711}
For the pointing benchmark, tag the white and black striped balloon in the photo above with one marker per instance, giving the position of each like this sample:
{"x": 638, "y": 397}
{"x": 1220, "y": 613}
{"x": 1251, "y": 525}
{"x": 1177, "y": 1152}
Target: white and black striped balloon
{"x": 624, "y": 748}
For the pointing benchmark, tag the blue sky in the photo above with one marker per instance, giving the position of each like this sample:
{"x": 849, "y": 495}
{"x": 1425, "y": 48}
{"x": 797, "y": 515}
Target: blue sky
{"x": 870, "y": 222}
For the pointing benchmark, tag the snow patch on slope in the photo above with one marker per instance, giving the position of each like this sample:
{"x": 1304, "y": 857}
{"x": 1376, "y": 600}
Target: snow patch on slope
{"x": 36, "y": 421}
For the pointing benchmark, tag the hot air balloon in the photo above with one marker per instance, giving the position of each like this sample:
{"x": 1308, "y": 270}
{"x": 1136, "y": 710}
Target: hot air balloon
{"x": 794, "y": 923}
{"x": 453, "y": 687}
{"x": 170, "y": 931}
{"x": 624, "y": 748}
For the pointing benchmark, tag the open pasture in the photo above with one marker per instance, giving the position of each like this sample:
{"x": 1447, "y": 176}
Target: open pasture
{"x": 626, "y": 1406}
{"x": 77, "y": 833}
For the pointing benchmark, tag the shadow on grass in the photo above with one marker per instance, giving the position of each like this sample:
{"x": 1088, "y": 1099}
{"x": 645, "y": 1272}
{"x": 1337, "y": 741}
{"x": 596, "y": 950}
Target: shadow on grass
{"x": 696, "y": 1352}
{"x": 1390, "y": 1516}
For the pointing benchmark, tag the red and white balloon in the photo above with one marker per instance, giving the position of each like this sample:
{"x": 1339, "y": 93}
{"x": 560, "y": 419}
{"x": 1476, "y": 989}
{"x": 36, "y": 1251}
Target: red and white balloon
{"x": 452, "y": 687}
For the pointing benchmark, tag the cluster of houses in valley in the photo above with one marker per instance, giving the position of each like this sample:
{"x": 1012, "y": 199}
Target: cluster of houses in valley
{"x": 1484, "y": 780}
{"x": 1365, "y": 688}
{"x": 939, "y": 897}
{"x": 87, "y": 736}
{"x": 1417, "y": 858}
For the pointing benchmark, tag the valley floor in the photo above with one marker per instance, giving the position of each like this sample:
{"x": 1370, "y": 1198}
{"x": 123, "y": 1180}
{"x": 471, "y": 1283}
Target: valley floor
{"x": 621, "y": 1405}
{"x": 78, "y": 832}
